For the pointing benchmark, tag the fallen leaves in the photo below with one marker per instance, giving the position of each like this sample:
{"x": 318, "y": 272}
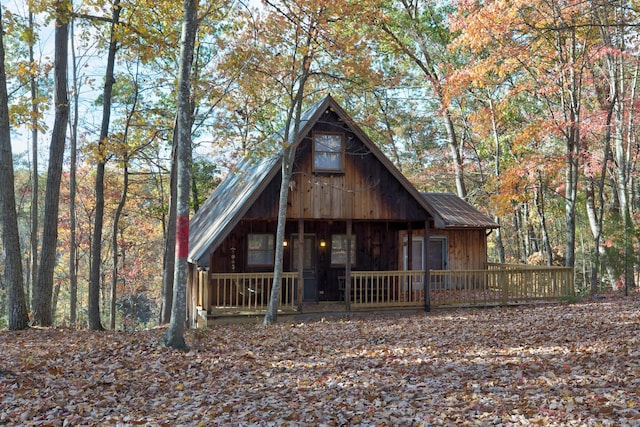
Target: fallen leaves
{"x": 544, "y": 365}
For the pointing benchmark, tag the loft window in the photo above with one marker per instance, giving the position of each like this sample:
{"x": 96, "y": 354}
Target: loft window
{"x": 328, "y": 152}
{"x": 260, "y": 250}
{"x": 339, "y": 249}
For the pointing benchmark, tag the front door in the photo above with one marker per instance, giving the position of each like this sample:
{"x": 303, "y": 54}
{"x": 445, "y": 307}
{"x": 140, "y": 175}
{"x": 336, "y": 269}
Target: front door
{"x": 309, "y": 293}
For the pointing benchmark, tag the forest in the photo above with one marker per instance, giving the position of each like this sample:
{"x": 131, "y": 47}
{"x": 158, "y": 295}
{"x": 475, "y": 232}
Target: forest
{"x": 527, "y": 110}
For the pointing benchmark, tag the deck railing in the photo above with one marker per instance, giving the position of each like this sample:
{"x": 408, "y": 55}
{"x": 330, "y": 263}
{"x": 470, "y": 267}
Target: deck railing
{"x": 387, "y": 288}
{"x": 498, "y": 284}
{"x": 251, "y": 291}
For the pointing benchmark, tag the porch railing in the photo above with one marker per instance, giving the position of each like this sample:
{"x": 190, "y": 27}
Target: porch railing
{"x": 251, "y": 291}
{"x": 498, "y": 284}
{"x": 387, "y": 288}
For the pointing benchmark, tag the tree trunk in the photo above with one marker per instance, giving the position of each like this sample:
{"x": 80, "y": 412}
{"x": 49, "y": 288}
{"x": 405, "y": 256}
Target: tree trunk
{"x": 538, "y": 197}
{"x": 34, "y": 162}
{"x": 632, "y": 173}
{"x": 288, "y": 158}
{"x": 96, "y": 245}
{"x": 42, "y": 293}
{"x": 73, "y": 141}
{"x": 427, "y": 65}
{"x": 571, "y": 195}
{"x": 497, "y": 170}
{"x": 169, "y": 262}
{"x": 120, "y": 208}
{"x": 18, "y": 317}
{"x": 454, "y": 149}
{"x": 114, "y": 243}
{"x": 175, "y": 333}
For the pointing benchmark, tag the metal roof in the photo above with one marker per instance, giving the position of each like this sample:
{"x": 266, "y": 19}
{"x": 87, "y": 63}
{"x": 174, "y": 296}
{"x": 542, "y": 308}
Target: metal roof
{"x": 454, "y": 212}
{"x": 228, "y": 203}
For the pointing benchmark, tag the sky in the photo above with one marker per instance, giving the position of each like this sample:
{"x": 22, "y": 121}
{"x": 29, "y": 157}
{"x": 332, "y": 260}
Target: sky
{"x": 43, "y": 52}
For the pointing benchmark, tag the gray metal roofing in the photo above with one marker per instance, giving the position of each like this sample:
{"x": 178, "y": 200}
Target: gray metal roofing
{"x": 224, "y": 208}
{"x": 454, "y": 212}
{"x": 230, "y": 201}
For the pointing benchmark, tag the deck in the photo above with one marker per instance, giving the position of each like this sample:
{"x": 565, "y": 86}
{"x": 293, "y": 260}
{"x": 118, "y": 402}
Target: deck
{"x": 245, "y": 296}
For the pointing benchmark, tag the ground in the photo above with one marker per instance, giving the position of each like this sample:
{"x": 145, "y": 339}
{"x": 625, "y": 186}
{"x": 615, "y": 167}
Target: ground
{"x": 563, "y": 364}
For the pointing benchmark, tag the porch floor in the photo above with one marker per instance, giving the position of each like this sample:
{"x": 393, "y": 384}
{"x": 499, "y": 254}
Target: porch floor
{"x": 310, "y": 311}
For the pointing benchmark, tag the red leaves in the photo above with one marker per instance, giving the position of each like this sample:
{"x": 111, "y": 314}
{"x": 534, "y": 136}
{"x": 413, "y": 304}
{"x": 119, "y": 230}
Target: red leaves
{"x": 546, "y": 365}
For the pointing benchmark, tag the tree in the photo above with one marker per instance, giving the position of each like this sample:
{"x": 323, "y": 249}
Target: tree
{"x": 620, "y": 71}
{"x": 42, "y": 298}
{"x": 18, "y": 317}
{"x": 73, "y": 145}
{"x": 168, "y": 259}
{"x": 35, "y": 100}
{"x": 96, "y": 248}
{"x": 417, "y": 32}
{"x": 175, "y": 333}
{"x": 206, "y": 94}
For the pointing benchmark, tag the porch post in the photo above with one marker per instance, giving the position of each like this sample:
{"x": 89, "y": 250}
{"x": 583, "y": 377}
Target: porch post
{"x": 409, "y": 249}
{"x": 205, "y": 291}
{"x": 300, "y": 256}
{"x": 427, "y": 272}
{"x": 410, "y": 285}
{"x": 347, "y": 272}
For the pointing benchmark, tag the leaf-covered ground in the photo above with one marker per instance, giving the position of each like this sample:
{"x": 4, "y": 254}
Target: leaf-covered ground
{"x": 544, "y": 365}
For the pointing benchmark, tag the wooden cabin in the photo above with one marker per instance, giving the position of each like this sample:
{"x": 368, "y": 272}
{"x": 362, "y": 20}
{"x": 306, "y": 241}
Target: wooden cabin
{"x": 358, "y": 232}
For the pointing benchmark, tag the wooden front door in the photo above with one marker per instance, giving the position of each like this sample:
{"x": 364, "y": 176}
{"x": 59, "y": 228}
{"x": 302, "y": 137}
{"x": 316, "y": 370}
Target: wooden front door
{"x": 310, "y": 288}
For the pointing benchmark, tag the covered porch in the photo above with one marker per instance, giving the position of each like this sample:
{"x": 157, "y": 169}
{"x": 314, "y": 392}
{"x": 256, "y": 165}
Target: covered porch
{"x": 247, "y": 294}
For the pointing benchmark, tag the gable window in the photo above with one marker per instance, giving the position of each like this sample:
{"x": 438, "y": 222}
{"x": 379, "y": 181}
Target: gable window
{"x": 328, "y": 152}
{"x": 260, "y": 250}
{"x": 339, "y": 249}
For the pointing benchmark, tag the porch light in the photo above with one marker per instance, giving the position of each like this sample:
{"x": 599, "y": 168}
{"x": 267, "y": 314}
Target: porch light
{"x": 323, "y": 243}
{"x": 285, "y": 243}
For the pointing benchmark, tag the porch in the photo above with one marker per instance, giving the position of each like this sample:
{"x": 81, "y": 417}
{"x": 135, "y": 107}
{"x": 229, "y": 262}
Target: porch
{"x": 248, "y": 294}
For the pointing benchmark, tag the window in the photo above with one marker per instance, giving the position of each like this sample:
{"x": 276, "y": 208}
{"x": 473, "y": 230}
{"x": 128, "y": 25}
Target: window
{"x": 339, "y": 249}
{"x": 260, "y": 249}
{"x": 328, "y": 152}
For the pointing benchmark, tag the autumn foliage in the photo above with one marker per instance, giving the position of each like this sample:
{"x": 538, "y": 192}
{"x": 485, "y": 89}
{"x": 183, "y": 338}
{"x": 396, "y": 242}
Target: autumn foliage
{"x": 547, "y": 365}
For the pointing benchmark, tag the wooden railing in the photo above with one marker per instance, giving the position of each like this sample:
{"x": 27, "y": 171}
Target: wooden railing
{"x": 387, "y": 288}
{"x": 498, "y": 284}
{"x": 250, "y": 291}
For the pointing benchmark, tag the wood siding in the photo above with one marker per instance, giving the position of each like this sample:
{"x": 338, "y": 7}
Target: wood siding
{"x": 365, "y": 190}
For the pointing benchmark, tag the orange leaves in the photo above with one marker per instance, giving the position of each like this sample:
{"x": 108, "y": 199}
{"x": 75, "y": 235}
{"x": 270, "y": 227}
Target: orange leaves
{"x": 548, "y": 365}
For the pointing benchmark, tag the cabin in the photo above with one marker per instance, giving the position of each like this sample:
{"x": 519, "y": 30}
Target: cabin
{"x": 358, "y": 234}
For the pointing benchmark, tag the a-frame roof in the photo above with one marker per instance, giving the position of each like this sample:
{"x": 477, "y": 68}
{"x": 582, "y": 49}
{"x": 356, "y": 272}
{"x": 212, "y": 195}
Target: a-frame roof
{"x": 235, "y": 195}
